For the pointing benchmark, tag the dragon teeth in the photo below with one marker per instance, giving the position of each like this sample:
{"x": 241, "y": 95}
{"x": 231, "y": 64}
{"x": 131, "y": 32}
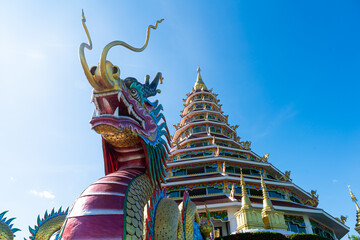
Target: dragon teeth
{"x": 116, "y": 112}
{"x": 119, "y": 96}
{"x": 130, "y": 110}
{"x": 143, "y": 124}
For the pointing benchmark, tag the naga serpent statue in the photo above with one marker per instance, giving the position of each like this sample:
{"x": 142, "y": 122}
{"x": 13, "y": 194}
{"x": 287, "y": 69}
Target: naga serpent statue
{"x": 128, "y": 202}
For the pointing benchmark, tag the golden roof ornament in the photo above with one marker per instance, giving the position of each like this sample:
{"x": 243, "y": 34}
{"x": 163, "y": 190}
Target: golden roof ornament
{"x": 354, "y": 199}
{"x": 267, "y": 205}
{"x": 232, "y": 192}
{"x": 357, "y": 225}
{"x": 265, "y": 158}
{"x": 199, "y": 82}
{"x": 245, "y": 200}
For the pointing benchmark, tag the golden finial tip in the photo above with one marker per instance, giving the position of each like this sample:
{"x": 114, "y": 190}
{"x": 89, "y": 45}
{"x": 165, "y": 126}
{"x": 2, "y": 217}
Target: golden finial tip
{"x": 83, "y": 15}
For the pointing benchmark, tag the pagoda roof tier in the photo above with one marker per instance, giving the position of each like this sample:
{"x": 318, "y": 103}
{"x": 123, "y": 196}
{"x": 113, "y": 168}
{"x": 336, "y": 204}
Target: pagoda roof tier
{"x": 207, "y": 136}
{"x": 182, "y": 150}
{"x": 223, "y": 200}
{"x": 190, "y": 114}
{"x": 193, "y": 124}
{"x": 186, "y": 109}
{"x": 318, "y": 214}
{"x": 265, "y": 165}
{"x": 217, "y": 177}
{"x": 194, "y": 93}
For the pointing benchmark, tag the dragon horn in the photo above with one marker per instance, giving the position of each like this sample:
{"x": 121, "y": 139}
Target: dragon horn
{"x": 108, "y": 79}
{"x": 84, "y": 64}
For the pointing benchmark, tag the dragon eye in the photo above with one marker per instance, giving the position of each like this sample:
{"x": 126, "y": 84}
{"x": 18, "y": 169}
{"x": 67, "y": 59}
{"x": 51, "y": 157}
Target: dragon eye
{"x": 132, "y": 91}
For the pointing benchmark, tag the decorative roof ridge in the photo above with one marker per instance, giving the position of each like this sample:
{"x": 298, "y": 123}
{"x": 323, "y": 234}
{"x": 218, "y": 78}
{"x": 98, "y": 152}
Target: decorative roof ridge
{"x": 202, "y": 101}
{"x": 193, "y": 94}
{"x": 201, "y": 91}
{"x": 204, "y": 110}
{"x": 202, "y": 122}
{"x": 196, "y": 123}
{"x": 221, "y": 177}
{"x": 206, "y": 147}
{"x": 208, "y": 137}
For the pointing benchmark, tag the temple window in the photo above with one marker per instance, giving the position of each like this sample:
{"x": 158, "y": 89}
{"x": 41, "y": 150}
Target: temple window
{"x": 199, "y": 106}
{"x": 208, "y": 106}
{"x": 238, "y": 190}
{"x": 211, "y": 169}
{"x": 254, "y": 192}
{"x": 211, "y": 190}
{"x": 174, "y": 194}
{"x": 270, "y": 176}
{"x": 237, "y": 170}
{"x": 207, "y": 97}
{"x": 211, "y": 117}
{"x": 230, "y": 169}
{"x": 244, "y": 156}
{"x": 195, "y": 170}
{"x": 198, "y": 129}
{"x": 294, "y": 199}
{"x": 275, "y": 194}
{"x": 197, "y": 191}
{"x": 295, "y": 223}
{"x": 197, "y": 97}
{"x": 254, "y": 172}
{"x": 199, "y": 144}
{"x": 180, "y": 172}
{"x": 321, "y": 230}
{"x": 199, "y": 117}
{"x": 225, "y": 144}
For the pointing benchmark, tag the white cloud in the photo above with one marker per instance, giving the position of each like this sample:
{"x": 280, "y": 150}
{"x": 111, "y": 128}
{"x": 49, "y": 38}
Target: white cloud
{"x": 43, "y": 194}
{"x": 35, "y": 54}
{"x": 334, "y": 180}
{"x": 12, "y": 179}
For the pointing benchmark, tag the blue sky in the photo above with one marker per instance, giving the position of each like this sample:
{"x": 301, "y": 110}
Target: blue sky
{"x": 286, "y": 71}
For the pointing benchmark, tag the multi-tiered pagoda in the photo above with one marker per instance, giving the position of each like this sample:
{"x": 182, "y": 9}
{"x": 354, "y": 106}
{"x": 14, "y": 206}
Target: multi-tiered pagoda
{"x": 207, "y": 158}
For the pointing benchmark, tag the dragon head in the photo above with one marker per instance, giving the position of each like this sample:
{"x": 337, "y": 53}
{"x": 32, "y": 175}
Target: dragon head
{"x": 123, "y": 115}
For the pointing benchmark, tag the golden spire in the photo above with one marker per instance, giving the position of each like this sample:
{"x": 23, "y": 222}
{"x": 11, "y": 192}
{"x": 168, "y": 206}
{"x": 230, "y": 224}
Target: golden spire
{"x": 199, "y": 82}
{"x": 354, "y": 199}
{"x": 267, "y": 205}
{"x": 245, "y": 200}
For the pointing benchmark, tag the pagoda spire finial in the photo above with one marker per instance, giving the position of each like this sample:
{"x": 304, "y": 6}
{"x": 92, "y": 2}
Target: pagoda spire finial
{"x": 245, "y": 200}
{"x": 199, "y": 82}
{"x": 267, "y": 205}
{"x": 357, "y": 225}
{"x": 354, "y": 199}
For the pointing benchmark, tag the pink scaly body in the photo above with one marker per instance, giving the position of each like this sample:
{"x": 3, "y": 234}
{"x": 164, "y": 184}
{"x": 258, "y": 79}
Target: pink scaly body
{"x": 99, "y": 211}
